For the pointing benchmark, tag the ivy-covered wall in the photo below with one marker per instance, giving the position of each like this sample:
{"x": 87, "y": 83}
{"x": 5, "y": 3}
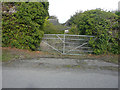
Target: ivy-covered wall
{"x": 24, "y": 29}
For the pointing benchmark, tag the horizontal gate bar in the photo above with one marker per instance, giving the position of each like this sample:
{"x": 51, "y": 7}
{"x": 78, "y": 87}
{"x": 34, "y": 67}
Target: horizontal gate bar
{"x": 81, "y": 47}
{"x": 79, "y": 35}
{"x": 70, "y": 35}
{"x": 65, "y": 39}
{"x": 72, "y": 54}
{"x": 71, "y": 43}
{"x": 81, "y": 51}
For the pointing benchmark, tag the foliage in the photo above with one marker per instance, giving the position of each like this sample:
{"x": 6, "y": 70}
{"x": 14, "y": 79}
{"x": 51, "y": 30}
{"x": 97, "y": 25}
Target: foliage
{"x": 117, "y": 13}
{"x": 73, "y": 30}
{"x": 74, "y": 19}
{"x": 101, "y": 24}
{"x": 24, "y": 29}
{"x": 50, "y": 28}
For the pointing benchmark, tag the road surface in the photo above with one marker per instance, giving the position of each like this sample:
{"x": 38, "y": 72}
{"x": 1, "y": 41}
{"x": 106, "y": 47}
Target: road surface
{"x": 48, "y": 73}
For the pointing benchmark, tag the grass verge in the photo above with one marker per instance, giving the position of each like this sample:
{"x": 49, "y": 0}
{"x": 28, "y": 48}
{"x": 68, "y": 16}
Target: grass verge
{"x": 9, "y": 54}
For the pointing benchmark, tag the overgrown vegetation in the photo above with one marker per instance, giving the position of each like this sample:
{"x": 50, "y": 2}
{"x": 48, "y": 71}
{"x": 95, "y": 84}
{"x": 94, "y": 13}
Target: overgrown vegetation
{"x": 50, "y": 28}
{"x": 101, "y": 24}
{"x": 23, "y": 29}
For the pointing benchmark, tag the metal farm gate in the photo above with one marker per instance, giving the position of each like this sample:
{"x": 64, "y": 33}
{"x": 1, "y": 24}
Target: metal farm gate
{"x": 68, "y": 44}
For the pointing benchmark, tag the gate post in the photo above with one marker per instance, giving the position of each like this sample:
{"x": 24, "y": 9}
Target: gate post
{"x": 64, "y": 45}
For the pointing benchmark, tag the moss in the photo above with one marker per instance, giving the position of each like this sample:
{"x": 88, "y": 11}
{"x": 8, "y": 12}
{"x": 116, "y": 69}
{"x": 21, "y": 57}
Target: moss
{"x": 109, "y": 68}
{"x": 68, "y": 66}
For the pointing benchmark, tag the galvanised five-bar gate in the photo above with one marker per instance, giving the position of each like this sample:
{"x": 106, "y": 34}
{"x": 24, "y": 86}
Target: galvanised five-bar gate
{"x": 68, "y": 44}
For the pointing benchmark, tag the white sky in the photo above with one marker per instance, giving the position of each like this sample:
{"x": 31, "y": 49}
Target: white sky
{"x": 64, "y": 9}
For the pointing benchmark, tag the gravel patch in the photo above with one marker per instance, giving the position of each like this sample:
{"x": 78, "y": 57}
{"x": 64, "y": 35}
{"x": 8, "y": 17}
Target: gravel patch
{"x": 57, "y": 63}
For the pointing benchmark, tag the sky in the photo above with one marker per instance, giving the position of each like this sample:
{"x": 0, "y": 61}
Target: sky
{"x": 64, "y": 9}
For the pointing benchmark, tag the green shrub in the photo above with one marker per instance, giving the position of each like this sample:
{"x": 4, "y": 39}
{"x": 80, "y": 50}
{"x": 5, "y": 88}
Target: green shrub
{"x": 100, "y": 24}
{"x": 24, "y": 29}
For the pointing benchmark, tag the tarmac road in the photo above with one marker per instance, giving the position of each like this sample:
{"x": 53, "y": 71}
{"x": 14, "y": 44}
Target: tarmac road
{"x": 17, "y": 75}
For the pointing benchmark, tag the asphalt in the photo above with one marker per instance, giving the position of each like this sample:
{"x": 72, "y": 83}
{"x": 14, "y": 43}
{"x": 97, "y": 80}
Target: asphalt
{"x": 58, "y": 73}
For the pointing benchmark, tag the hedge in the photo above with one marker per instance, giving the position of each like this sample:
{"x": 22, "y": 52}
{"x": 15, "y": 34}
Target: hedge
{"x": 24, "y": 29}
